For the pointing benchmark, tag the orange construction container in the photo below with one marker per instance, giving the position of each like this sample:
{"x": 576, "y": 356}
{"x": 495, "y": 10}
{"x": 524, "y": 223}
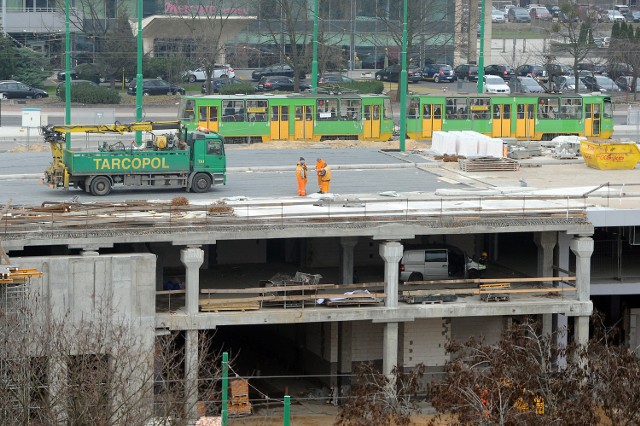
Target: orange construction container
{"x": 607, "y": 155}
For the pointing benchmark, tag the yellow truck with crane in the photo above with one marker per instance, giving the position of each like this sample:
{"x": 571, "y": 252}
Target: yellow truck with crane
{"x": 193, "y": 160}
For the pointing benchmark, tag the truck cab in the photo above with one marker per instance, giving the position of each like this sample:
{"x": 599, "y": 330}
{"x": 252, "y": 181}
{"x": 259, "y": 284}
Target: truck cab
{"x": 436, "y": 264}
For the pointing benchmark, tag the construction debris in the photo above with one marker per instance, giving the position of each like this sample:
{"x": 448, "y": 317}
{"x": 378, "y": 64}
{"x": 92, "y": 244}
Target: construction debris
{"x": 488, "y": 164}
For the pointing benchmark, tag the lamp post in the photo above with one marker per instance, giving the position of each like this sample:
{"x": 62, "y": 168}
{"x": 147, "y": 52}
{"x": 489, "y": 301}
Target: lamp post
{"x": 481, "y": 54}
{"x": 139, "y": 82}
{"x": 67, "y": 74}
{"x": 314, "y": 63}
{"x": 403, "y": 80}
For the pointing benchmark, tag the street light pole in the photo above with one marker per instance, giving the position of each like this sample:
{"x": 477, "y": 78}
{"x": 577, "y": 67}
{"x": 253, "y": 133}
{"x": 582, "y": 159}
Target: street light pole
{"x": 402, "y": 86}
{"x": 139, "y": 82}
{"x": 314, "y": 63}
{"x": 67, "y": 74}
{"x": 481, "y": 54}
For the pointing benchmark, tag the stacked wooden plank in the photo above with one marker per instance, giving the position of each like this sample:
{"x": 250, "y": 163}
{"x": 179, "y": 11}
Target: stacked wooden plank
{"x": 488, "y": 164}
{"x": 239, "y": 404}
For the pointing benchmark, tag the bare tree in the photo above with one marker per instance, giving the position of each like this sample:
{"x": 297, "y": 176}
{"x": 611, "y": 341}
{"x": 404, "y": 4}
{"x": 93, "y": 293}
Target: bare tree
{"x": 119, "y": 52}
{"x": 205, "y": 23}
{"x": 290, "y": 24}
{"x": 515, "y": 381}
{"x": 578, "y": 34}
{"x": 379, "y": 399}
{"x": 625, "y": 49}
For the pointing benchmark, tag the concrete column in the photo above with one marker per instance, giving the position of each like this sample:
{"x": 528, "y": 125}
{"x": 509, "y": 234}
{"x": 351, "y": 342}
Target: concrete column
{"x": 391, "y": 252}
{"x": 345, "y": 358}
{"x": 192, "y": 258}
{"x": 346, "y": 259}
{"x": 581, "y": 330}
{"x": 582, "y": 247}
{"x": 546, "y": 242}
{"x": 547, "y": 324}
{"x": 58, "y": 377}
{"x": 191, "y": 373}
{"x": 390, "y": 348}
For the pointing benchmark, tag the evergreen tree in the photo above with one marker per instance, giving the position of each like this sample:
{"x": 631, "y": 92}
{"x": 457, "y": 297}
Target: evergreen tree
{"x": 7, "y": 58}
{"x": 615, "y": 31}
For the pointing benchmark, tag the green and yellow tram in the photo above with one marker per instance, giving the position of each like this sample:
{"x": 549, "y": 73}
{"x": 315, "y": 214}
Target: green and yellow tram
{"x": 305, "y": 117}
{"x": 523, "y": 117}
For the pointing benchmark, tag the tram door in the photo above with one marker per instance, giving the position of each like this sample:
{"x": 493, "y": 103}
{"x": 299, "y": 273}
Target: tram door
{"x": 501, "y": 119}
{"x": 431, "y": 119}
{"x": 279, "y": 123}
{"x": 304, "y": 122}
{"x": 525, "y": 121}
{"x": 371, "y": 121}
{"x": 208, "y": 117}
{"x": 592, "y": 116}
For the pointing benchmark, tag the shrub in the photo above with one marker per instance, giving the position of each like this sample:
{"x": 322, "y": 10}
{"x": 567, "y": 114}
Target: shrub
{"x": 362, "y": 87}
{"x": 88, "y": 94}
{"x": 232, "y": 89}
{"x": 88, "y": 72}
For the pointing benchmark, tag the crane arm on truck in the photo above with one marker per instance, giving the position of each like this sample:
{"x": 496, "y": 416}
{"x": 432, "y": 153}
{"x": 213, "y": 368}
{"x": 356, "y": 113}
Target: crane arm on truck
{"x": 55, "y": 133}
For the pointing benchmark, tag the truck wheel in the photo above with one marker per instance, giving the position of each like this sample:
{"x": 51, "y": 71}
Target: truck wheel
{"x": 100, "y": 186}
{"x": 415, "y": 276}
{"x": 201, "y": 183}
{"x": 192, "y": 78}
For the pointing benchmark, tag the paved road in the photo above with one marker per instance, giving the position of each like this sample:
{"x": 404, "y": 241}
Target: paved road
{"x": 380, "y": 171}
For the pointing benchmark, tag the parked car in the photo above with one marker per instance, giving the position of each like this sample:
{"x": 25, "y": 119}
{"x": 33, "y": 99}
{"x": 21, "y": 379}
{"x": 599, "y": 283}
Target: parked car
{"x": 602, "y": 42}
{"x": 61, "y": 86}
{"x": 541, "y": 13}
{"x": 280, "y": 83}
{"x": 497, "y": 16}
{"x": 503, "y": 71}
{"x": 372, "y": 61}
{"x": 219, "y": 83}
{"x": 438, "y": 73}
{"x": 567, "y": 83}
{"x": 11, "y": 89}
{"x": 392, "y": 73}
{"x": 535, "y": 71}
{"x": 467, "y": 72}
{"x": 568, "y": 17}
{"x": 200, "y": 74}
{"x": 518, "y": 14}
{"x": 557, "y": 70}
{"x": 616, "y": 69}
{"x": 525, "y": 85}
{"x": 61, "y": 75}
{"x": 437, "y": 264}
{"x": 591, "y": 68}
{"x": 624, "y": 82}
{"x": 614, "y": 16}
{"x": 623, "y": 9}
{"x": 278, "y": 69}
{"x": 495, "y": 84}
{"x": 553, "y": 9}
{"x": 600, "y": 83}
{"x": 156, "y": 86}
{"x": 335, "y": 79}
{"x": 634, "y": 16}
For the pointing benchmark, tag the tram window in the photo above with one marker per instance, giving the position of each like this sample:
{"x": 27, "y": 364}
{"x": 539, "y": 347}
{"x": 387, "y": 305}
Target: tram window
{"x": 506, "y": 111}
{"x": 520, "y": 111}
{"x": 234, "y": 111}
{"x": 530, "y": 113}
{"x": 387, "y": 111}
{"x": 284, "y": 116}
{"x": 608, "y": 109}
{"x": 496, "y": 111}
{"x": 571, "y": 108}
{"x": 188, "y": 110}
{"x": 298, "y": 113}
{"x": 327, "y": 109}
{"x": 350, "y": 109}
{"x": 426, "y": 111}
{"x": 367, "y": 112}
{"x": 257, "y": 110}
{"x": 414, "y": 107}
{"x": 309, "y": 113}
{"x": 437, "y": 112}
{"x": 202, "y": 113}
{"x": 480, "y": 108}
{"x": 274, "y": 113}
{"x": 457, "y": 109}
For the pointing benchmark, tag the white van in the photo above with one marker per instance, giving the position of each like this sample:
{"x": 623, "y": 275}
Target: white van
{"x": 622, "y": 8}
{"x": 436, "y": 264}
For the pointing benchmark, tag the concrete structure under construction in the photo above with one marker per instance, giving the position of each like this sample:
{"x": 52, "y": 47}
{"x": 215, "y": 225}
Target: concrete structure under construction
{"x": 227, "y": 255}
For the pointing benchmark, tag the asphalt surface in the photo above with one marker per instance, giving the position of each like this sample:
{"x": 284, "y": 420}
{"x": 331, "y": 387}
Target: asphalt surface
{"x": 254, "y": 173}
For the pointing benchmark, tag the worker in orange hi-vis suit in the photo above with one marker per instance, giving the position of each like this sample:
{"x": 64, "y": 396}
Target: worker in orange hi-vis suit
{"x": 325, "y": 177}
{"x": 301, "y": 176}
{"x": 319, "y": 163}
